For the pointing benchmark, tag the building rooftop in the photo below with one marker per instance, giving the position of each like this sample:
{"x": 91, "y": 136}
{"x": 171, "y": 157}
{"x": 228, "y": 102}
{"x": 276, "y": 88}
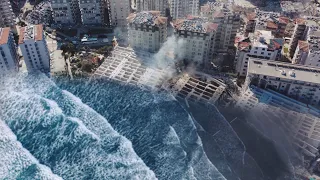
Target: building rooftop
{"x": 284, "y": 70}
{"x": 33, "y": 32}
{"x": 303, "y": 46}
{"x": 195, "y": 24}
{"x": 4, "y": 35}
{"x": 150, "y": 18}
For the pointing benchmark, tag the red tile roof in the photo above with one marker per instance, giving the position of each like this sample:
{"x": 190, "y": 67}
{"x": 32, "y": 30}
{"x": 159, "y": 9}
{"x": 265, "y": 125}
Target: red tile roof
{"x": 272, "y": 25}
{"x": 218, "y": 14}
{"x": 303, "y": 45}
{"x": 284, "y": 20}
{"x": 251, "y": 16}
{"x": 300, "y": 21}
{"x": 21, "y": 35}
{"x": 5, "y": 32}
{"x": 39, "y": 32}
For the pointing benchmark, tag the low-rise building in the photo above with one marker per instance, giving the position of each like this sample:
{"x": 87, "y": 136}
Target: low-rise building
{"x": 296, "y": 81}
{"x": 298, "y": 120}
{"x": 34, "y": 48}
{"x": 260, "y": 44}
{"x": 9, "y": 60}
{"x": 147, "y": 30}
{"x": 199, "y": 35}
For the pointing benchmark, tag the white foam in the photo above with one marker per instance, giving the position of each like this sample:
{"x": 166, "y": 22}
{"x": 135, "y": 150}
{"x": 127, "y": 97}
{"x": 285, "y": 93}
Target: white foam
{"x": 15, "y": 159}
{"x": 84, "y": 128}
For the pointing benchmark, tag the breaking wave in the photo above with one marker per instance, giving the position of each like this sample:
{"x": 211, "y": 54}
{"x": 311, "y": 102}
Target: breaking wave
{"x": 106, "y": 130}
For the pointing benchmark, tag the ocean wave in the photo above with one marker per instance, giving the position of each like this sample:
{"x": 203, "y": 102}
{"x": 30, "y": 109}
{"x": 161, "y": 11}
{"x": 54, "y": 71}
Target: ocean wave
{"x": 149, "y": 120}
{"x": 17, "y": 162}
{"x": 75, "y": 146}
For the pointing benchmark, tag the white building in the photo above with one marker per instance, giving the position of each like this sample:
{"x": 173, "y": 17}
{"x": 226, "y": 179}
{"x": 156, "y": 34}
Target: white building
{"x": 198, "y": 88}
{"x": 9, "y": 60}
{"x": 7, "y": 16}
{"x": 126, "y": 66}
{"x": 152, "y": 5}
{"x": 182, "y": 8}
{"x": 260, "y": 44}
{"x": 199, "y": 35}
{"x": 308, "y": 50}
{"x": 228, "y": 21}
{"x": 93, "y": 11}
{"x": 66, "y": 12}
{"x": 296, "y": 81}
{"x": 147, "y": 30}
{"x": 297, "y": 120}
{"x": 34, "y": 48}
{"x": 119, "y": 11}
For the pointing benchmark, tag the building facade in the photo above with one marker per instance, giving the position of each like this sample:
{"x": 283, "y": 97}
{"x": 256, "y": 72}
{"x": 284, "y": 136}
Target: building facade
{"x": 7, "y": 16}
{"x": 93, "y": 12}
{"x": 299, "y": 33}
{"x": 295, "y": 81}
{"x": 182, "y": 8}
{"x": 260, "y": 44}
{"x": 9, "y": 60}
{"x": 199, "y": 36}
{"x": 228, "y": 21}
{"x": 147, "y": 30}
{"x": 153, "y": 5}
{"x": 34, "y": 49}
{"x": 119, "y": 11}
{"x": 66, "y": 12}
{"x": 298, "y": 120}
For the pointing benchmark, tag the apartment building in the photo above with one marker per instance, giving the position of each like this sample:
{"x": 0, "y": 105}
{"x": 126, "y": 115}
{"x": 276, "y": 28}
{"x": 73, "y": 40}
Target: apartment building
{"x": 7, "y": 16}
{"x": 228, "y": 23}
{"x": 297, "y": 120}
{"x": 308, "y": 50}
{"x": 66, "y": 12}
{"x": 198, "y": 87}
{"x": 271, "y": 21}
{"x": 153, "y": 5}
{"x": 199, "y": 35}
{"x": 126, "y": 66}
{"x": 147, "y": 30}
{"x": 182, "y": 8}
{"x": 260, "y": 44}
{"x": 299, "y": 33}
{"x": 119, "y": 11}
{"x": 249, "y": 21}
{"x": 34, "y": 49}
{"x": 9, "y": 60}
{"x": 296, "y": 81}
{"x": 93, "y": 12}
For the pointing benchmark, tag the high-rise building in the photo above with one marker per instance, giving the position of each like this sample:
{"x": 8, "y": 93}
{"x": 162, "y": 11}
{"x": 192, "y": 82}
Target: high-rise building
{"x": 182, "y": 8}
{"x": 296, "y": 81}
{"x": 7, "y": 16}
{"x": 260, "y": 44}
{"x": 66, "y": 12}
{"x": 119, "y": 11}
{"x": 9, "y": 60}
{"x": 153, "y": 5}
{"x": 228, "y": 21}
{"x": 93, "y": 12}
{"x": 199, "y": 36}
{"x": 34, "y": 48}
{"x": 147, "y": 30}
